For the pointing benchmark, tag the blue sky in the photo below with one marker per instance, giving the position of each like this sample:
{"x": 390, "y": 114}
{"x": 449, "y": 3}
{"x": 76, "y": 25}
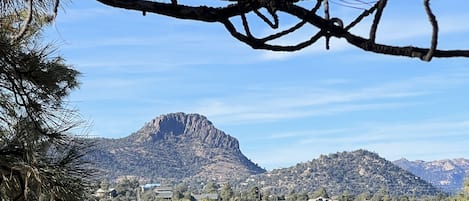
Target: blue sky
{"x": 284, "y": 108}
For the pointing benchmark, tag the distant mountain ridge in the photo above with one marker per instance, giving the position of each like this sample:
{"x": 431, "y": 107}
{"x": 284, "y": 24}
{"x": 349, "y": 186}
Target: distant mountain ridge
{"x": 175, "y": 146}
{"x": 447, "y": 174}
{"x": 354, "y": 172}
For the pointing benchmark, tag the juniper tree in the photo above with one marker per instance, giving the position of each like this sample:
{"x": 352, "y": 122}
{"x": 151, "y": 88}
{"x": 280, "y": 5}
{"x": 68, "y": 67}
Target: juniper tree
{"x": 226, "y": 192}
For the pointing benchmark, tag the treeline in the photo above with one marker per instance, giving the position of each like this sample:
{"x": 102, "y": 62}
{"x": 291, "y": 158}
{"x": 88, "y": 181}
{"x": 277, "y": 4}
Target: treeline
{"x": 127, "y": 190}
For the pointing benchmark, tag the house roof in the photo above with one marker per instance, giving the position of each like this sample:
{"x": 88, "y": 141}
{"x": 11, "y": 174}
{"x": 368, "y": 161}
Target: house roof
{"x": 320, "y": 198}
{"x": 162, "y": 189}
{"x": 212, "y": 196}
{"x": 151, "y": 185}
{"x": 164, "y": 194}
{"x": 101, "y": 191}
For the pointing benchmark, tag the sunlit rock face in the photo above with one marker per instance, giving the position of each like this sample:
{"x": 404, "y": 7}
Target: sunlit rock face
{"x": 176, "y": 146}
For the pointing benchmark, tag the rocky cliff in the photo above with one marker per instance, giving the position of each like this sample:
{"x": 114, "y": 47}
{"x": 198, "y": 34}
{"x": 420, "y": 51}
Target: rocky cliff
{"x": 174, "y": 146}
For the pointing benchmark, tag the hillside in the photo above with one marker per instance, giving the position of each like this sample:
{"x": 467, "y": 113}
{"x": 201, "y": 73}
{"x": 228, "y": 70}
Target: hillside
{"x": 445, "y": 174}
{"x": 175, "y": 146}
{"x": 353, "y": 172}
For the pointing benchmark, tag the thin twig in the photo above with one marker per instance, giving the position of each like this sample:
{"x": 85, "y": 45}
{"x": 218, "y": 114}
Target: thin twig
{"x": 317, "y": 6}
{"x": 259, "y": 44}
{"x": 327, "y": 17}
{"x": 434, "y": 42}
{"x": 27, "y": 22}
{"x": 246, "y": 26}
{"x": 284, "y": 32}
{"x": 362, "y": 16}
{"x": 274, "y": 24}
{"x": 56, "y": 7}
{"x": 376, "y": 20}
{"x": 293, "y": 28}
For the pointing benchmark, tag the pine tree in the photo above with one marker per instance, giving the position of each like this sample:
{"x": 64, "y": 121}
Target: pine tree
{"x": 40, "y": 157}
{"x": 321, "y": 192}
{"x": 226, "y": 192}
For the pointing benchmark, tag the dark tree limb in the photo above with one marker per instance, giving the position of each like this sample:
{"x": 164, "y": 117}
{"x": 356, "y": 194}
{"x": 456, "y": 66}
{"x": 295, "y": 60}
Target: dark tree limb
{"x": 260, "y": 44}
{"x": 284, "y": 32}
{"x": 246, "y": 25}
{"x": 367, "y": 45}
{"x": 200, "y": 13}
{"x": 274, "y": 24}
{"x": 434, "y": 42}
{"x": 329, "y": 27}
{"x": 362, "y": 16}
{"x": 379, "y": 12}
{"x": 327, "y": 17}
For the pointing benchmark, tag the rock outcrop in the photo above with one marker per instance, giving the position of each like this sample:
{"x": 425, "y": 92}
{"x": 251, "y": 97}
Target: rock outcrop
{"x": 175, "y": 146}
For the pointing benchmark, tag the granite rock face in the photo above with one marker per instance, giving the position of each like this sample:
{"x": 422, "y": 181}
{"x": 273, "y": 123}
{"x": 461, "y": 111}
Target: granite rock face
{"x": 185, "y": 128}
{"x": 175, "y": 146}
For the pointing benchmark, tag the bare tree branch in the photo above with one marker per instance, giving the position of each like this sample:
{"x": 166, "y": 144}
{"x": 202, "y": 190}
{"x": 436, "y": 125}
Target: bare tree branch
{"x": 242, "y": 7}
{"x": 329, "y": 27}
{"x": 274, "y": 24}
{"x": 327, "y": 17}
{"x": 362, "y": 16}
{"x": 27, "y": 21}
{"x": 434, "y": 42}
{"x": 200, "y": 13}
{"x": 379, "y": 12}
{"x": 260, "y": 44}
{"x": 246, "y": 25}
{"x": 284, "y": 32}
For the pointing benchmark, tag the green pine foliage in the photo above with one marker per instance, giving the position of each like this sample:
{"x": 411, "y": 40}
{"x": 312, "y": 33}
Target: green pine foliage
{"x": 40, "y": 157}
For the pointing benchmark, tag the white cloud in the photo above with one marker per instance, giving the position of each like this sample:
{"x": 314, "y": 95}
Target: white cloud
{"x": 307, "y": 133}
{"x": 425, "y": 140}
{"x": 71, "y": 15}
{"x": 273, "y": 104}
{"x": 248, "y": 108}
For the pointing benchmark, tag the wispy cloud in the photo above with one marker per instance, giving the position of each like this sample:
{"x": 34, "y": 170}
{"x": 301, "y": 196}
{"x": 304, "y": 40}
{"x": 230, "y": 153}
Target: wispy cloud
{"x": 307, "y": 133}
{"x": 71, "y": 15}
{"x": 280, "y": 103}
{"x": 414, "y": 140}
{"x": 379, "y": 133}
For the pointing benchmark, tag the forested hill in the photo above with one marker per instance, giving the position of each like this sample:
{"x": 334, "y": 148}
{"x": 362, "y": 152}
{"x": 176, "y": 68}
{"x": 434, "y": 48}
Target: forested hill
{"x": 175, "y": 146}
{"x": 353, "y": 172}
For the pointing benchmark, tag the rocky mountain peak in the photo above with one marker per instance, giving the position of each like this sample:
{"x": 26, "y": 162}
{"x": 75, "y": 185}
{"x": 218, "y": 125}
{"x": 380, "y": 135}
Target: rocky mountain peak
{"x": 175, "y": 146}
{"x": 181, "y": 127}
{"x": 179, "y": 123}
